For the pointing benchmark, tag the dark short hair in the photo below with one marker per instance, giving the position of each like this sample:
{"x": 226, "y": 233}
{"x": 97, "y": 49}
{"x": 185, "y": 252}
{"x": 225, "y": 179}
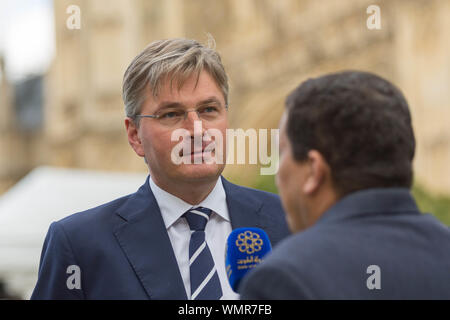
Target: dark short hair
{"x": 361, "y": 125}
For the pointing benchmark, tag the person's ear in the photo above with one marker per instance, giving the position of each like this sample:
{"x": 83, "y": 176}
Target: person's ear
{"x": 133, "y": 136}
{"x": 319, "y": 171}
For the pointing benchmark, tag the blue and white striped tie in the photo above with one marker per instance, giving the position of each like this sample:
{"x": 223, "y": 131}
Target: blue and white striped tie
{"x": 205, "y": 283}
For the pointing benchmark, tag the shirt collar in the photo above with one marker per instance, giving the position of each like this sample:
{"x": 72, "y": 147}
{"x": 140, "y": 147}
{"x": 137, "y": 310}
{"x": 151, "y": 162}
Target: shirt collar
{"x": 172, "y": 207}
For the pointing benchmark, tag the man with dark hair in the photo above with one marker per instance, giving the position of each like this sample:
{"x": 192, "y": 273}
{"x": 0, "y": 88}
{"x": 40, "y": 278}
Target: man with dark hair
{"x": 346, "y": 151}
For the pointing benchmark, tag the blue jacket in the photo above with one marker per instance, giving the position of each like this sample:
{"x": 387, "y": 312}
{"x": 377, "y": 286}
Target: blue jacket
{"x": 372, "y": 244}
{"x": 123, "y": 251}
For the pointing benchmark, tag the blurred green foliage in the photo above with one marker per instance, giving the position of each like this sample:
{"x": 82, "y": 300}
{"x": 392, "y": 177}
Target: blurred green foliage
{"x": 439, "y": 206}
{"x": 429, "y": 203}
{"x": 266, "y": 183}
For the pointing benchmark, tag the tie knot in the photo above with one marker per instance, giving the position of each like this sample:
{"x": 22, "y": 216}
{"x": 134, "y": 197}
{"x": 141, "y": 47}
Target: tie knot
{"x": 197, "y": 218}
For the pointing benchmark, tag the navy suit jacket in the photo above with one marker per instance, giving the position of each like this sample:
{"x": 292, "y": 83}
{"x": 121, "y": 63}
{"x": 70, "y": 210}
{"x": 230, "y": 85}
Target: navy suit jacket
{"x": 331, "y": 259}
{"x": 123, "y": 250}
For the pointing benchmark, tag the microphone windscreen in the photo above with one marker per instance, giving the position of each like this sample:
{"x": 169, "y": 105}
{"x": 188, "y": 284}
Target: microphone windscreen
{"x": 245, "y": 249}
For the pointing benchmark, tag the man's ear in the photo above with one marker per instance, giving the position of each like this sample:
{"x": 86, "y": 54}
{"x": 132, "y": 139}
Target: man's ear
{"x": 133, "y": 137}
{"x": 319, "y": 172}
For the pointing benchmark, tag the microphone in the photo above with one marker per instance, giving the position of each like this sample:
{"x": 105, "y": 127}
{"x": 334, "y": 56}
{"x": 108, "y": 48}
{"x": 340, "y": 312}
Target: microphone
{"x": 245, "y": 249}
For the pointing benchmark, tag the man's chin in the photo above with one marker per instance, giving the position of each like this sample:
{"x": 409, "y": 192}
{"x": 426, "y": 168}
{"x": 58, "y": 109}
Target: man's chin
{"x": 200, "y": 172}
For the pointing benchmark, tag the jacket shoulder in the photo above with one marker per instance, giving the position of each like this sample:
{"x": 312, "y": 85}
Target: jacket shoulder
{"x": 94, "y": 215}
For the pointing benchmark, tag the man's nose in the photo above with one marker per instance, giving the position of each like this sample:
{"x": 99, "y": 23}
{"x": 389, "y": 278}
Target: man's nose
{"x": 191, "y": 120}
{"x": 191, "y": 116}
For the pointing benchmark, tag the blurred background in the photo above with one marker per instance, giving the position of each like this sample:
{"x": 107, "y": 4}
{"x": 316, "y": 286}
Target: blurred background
{"x": 63, "y": 146}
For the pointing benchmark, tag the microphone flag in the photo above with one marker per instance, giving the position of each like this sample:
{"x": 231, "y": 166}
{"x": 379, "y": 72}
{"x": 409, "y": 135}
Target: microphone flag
{"x": 245, "y": 249}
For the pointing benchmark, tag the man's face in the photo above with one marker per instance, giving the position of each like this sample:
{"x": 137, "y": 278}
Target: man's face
{"x": 155, "y": 136}
{"x": 290, "y": 178}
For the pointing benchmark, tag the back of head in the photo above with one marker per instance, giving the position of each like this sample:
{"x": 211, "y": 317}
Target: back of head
{"x": 173, "y": 60}
{"x": 360, "y": 123}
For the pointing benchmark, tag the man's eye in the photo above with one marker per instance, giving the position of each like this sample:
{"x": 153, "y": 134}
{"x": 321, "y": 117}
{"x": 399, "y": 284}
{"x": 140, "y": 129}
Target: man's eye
{"x": 171, "y": 114}
{"x": 208, "y": 109}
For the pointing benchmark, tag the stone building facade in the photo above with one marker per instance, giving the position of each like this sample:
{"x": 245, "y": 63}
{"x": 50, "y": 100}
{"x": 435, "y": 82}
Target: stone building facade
{"x": 268, "y": 48}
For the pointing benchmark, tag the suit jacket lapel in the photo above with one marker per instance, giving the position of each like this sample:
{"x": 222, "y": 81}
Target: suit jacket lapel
{"x": 243, "y": 210}
{"x": 143, "y": 237}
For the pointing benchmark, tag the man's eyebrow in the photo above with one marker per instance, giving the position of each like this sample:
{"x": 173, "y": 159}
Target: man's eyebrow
{"x": 209, "y": 100}
{"x": 174, "y": 104}
{"x": 168, "y": 104}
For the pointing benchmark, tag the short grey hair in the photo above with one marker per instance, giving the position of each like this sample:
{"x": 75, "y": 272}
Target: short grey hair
{"x": 177, "y": 59}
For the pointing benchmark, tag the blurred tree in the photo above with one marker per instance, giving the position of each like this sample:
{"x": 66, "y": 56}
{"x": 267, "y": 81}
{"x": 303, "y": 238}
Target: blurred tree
{"x": 439, "y": 206}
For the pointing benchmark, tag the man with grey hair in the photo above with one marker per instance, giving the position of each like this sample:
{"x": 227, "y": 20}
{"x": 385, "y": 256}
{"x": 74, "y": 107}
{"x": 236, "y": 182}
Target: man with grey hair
{"x": 167, "y": 240}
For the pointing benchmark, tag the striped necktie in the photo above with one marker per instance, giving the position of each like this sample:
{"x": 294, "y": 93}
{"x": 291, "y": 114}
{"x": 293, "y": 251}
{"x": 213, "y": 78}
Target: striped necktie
{"x": 205, "y": 283}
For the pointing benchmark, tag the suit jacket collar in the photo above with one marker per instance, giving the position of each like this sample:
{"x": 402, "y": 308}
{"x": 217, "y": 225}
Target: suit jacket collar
{"x": 243, "y": 210}
{"x": 172, "y": 207}
{"x": 371, "y": 201}
{"x": 143, "y": 237}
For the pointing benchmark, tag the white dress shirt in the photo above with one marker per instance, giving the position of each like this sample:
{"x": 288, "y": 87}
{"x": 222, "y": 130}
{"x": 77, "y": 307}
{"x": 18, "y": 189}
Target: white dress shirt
{"x": 217, "y": 231}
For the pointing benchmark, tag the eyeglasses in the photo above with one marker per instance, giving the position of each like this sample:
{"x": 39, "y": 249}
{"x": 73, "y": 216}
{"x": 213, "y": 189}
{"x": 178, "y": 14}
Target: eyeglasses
{"x": 175, "y": 116}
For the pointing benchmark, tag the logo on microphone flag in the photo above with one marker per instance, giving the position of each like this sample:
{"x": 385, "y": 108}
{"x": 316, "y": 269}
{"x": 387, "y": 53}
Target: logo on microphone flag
{"x": 249, "y": 242}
